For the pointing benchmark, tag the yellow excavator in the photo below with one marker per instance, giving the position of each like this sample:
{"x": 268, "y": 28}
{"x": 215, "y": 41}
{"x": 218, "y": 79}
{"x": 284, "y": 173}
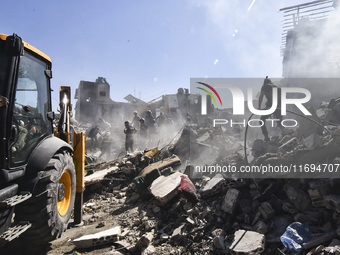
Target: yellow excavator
{"x": 41, "y": 169}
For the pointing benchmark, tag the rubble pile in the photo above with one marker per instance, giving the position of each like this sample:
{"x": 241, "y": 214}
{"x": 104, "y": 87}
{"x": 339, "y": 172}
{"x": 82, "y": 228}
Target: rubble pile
{"x": 163, "y": 208}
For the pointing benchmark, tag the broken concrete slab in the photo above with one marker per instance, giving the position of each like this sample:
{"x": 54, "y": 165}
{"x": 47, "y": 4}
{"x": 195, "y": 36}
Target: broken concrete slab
{"x": 312, "y": 141}
{"x": 100, "y": 238}
{"x": 219, "y": 242}
{"x": 260, "y": 227}
{"x": 298, "y": 197}
{"x": 164, "y": 188}
{"x": 212, "y": 186}
{"x": 144, "y": 241}
{"x": 123, "y": 244}
{"x": 143, "y": 182}
{"x": 150, "y": 250}
{"x": 204, "y": 137}
{"x": 230, "y": 200}
{"x": 128, "y": 168}
{"x": 99, "y": 175}
{"x": 171, "y": 161}
{"x": 266, "y": 211}
{"x": 247, "y": 242}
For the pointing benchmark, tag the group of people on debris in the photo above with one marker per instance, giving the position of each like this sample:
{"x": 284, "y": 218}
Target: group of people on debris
{"x": 150, "y": 129}
{"x": 144, "y": 131}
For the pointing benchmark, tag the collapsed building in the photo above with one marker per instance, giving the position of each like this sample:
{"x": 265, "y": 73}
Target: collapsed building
{"x": 94, "y": 101}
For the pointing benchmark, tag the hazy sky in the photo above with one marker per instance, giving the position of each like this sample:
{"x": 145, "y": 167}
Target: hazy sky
{"x": 150, "y": 47}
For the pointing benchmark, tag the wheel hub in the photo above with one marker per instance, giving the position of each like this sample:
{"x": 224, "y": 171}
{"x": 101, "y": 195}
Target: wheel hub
{"x": 64, "y": 193}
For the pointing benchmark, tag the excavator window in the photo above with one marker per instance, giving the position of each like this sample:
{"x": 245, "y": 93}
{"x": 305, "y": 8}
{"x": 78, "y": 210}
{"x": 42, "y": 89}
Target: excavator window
{"x": 30, "y": 108}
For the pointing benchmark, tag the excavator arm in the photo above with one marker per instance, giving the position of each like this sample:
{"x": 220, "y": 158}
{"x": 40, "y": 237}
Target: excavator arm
{"x": 63, "y": 132}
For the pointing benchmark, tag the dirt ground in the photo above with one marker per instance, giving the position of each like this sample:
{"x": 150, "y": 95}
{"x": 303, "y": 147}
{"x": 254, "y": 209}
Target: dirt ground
{"x": 108, "y": 212}
{"x": 102, "y": 211}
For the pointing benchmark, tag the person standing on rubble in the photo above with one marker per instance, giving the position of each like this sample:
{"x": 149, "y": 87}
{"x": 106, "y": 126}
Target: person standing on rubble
{"x": 149, "y": 119}
{"x": 267, "y": 92}
{"x": 135, "y": 120}
{"x": 129, "y": 131}
{"x": 143, "y": 133}
{"x": 161, "y": 119}
{"x": 152, "y": 125}
{"x": 160, "y": 122}
{"x": 92, "y": 133}
{"x": 106, "y": 146}
{"x": 99, "y": 127}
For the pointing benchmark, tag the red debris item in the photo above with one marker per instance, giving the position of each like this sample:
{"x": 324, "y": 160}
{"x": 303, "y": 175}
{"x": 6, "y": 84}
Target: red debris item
{"x": 188, "y": 189}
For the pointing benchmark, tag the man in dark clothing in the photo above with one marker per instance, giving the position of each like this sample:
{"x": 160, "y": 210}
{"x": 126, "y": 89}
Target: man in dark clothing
{"x": 135, "y": 120}
{"x": 161, "y": 119}
{"x": 143, "y": 133}
{"x": 129, "y": 132}
{"x": 149, "y": 119}
{"x": 92, "y": 133}
{"x": 267, "y": 92}
{"x": 152, "y": 125}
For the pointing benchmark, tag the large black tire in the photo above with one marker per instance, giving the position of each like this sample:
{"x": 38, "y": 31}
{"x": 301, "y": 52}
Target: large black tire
{"x": 49, "y": 210}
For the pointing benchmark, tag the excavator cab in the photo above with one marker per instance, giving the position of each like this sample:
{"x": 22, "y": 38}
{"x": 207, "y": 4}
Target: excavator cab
{"x": 37, "y": 172}
{"x": 26, "y": 108}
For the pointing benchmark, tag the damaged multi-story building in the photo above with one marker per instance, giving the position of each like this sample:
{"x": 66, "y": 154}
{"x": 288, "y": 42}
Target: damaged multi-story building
{"x": 310, "y": 48}
{"x": 94, "y": 102}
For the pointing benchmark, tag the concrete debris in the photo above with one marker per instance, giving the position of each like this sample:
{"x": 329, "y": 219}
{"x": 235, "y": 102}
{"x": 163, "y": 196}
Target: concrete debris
{"x": 312, "y": 141}
{"x": 164, "y": 188}
{"x": 165, "y": 207}
{"x": 230, "y": 200}
{"x": 143, "y": 182}
{"x": 219, "y": 242}
{"x": 122, "y": 244}
{"x": 167, "y": 162}
{"x": 150, "y": 250}
{"x": 144, "y": 241}
{"x": 100, "y": 238}
{"x": 99, "y": 175}
{"x": 178, "y": 232}
{"x": 298, "y": 197}
{"x": 247, "y": 242}
{"x": 213, "y": 185}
